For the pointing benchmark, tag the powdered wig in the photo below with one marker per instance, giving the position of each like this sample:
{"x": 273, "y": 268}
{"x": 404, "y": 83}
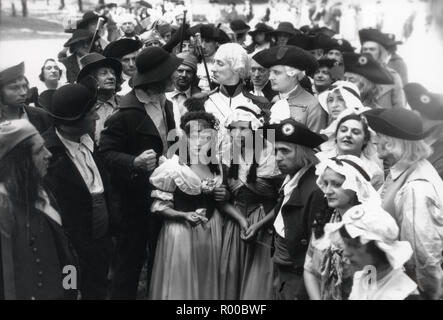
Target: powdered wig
{"x": 293, "y": 72}
{"x": 236, "y": 57}
{"x": 405, "y": 151}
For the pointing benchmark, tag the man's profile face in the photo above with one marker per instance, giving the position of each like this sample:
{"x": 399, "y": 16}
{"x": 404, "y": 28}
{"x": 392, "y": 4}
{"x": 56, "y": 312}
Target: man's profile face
{"x": 15, "y": 93}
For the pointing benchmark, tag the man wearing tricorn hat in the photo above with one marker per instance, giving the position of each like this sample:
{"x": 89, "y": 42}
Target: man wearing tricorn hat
{"x": 13, "y": 93}
{"x": 107, "y": 73}
{"x": 377, "y": 44}
{"x": 288, "y": 65}
{"x": 430, "y": 107}
{"x": 132, "y": 142}
{"x": 412, "y": 193}
{"x": 125, "y": 51}
{"x": 294, "y": 144}
{"x": 77, "y": 179}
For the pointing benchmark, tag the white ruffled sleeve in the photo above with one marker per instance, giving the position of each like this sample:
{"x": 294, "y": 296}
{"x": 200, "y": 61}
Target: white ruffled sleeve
{"x": 164, "y": 186}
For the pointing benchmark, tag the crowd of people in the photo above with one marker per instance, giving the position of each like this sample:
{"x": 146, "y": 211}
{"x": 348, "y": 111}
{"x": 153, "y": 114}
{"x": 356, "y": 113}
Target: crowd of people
{"x": 227, "y": 161}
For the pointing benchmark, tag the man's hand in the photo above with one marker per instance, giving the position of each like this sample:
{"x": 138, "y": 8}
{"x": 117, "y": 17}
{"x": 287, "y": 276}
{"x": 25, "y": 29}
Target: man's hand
{"x": 221, "y": 193}
{"x": 146, "y": 161}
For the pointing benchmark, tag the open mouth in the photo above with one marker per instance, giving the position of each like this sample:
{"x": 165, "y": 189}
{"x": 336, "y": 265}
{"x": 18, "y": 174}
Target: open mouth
{"x": 347, "y": 142}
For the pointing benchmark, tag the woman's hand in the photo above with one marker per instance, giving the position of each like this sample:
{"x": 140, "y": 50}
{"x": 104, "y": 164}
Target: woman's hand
{"x": 221, "y": 193}
{"x": 243, "y": 225}
{"x": 192, "y": 218}
{"x": 250, "y": 232}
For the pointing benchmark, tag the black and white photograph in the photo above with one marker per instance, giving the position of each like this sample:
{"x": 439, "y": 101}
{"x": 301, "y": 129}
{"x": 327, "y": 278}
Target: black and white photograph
{"x": 221, "y": 154}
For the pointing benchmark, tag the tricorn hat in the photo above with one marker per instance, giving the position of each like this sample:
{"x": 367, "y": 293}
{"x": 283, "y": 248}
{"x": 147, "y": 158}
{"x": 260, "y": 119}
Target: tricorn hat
{"x": 396, "y": 122}
{"x": 385, "y": 40}
{"x": 430, "y": 105}
{"x": 119, "y": 48}
{"x": 366, "y": 66}
{"x": 79, "y": 35}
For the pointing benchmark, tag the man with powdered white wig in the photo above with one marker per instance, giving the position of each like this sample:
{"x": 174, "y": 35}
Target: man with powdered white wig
{"x": 288, "y": 65}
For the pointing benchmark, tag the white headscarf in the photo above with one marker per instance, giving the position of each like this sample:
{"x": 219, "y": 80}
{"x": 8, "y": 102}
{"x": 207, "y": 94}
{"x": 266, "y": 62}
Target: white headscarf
{"x": 370, "y": 222}
{"x": 354, "y": 179}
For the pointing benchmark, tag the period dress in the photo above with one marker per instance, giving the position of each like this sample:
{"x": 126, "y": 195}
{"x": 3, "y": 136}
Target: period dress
{"x": 325, "y": 261}
{"x": 246, "y": 267}
{"x": 187, "y": 259}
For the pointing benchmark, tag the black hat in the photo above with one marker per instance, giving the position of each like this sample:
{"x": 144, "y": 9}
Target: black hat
{"x": 154, "y": 64}
{"x": 71, "y": 102}
{"x": 319, "y": 41}
{"x": 286, "y": 27}
{"x": 12, "y": 73}
{"x": 79, "y": 35}
{"x": 366, "y": 66}
{"x": 396, "y": 122}
{"x": 322, "y": 30}
{"x": 45, "y": 98}
{"x": 239, "y": 26}
{"x": 210, "y": 32}
{"x": 430, "y": 105}
{"x": 260, "y": 27}
{"x": 385, "y": 40}
{"x": 341, "y": 45}
{"x": 290, "y": 130}
{"x": 94, "y": 61}
{"x": 325, "y": 62}
{"x": 88, "y": 17}
{"x": 119, "y": 48}
{"x": 299, "y": 40}
{"x": 287, "y": 56}
{"x": 144, "y": 4}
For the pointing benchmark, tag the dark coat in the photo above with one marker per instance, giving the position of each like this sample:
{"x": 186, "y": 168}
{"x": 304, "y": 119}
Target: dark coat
{"x": 35, "y": 269}
{"x": 72, "y": 195}
{"x": 298, "y": 215}
{"x": 268, "y": 92}
{"x": 72, "y": 68}
{"x": 398, "y": 64}
{"x": 128, "y": 133}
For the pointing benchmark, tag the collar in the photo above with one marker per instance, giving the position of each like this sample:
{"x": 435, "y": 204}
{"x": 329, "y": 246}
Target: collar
{"x": 286, "y": 95}
{"x": 290, "y": 184}
{"x": 112, "y": 101}
{"x": 72, "y": 146}
{"x": 398, "y": 169}
{"x": 125, "y": 76}
{"x": 237, "y": 91}
{"x": 143, "y": 97}
{"x": 176, "y": 92}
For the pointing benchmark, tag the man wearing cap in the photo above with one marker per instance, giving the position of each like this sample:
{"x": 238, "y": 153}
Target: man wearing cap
{"x": 240, "y": 28}
{"x": 283, "y": 33}
{"x": 294, "y": 144}
{"x": 80, "y": 185}
{"x": 127, "y": 24}
{"x": 183, "y": 79}
{"x": 78, "y": 46}
{"x": 211, "y": 38}
{"x": 34, "y": 247}
{"x": 261, "y": 38}
{"x": 125, "y": 51}
{"x": 335, "y": 48}
{"x": 260, "y": 80}
{"x": 107, "y": 73}
{"x": 328, "y": 72}
{"x": 14, "y": 89}
{"x": 288, "y": 65}
{"x": 430, "y": 107}
{"x": 376, "y": 44}
{"x": 132, "y": 142}
{"x": 412, "y": 193}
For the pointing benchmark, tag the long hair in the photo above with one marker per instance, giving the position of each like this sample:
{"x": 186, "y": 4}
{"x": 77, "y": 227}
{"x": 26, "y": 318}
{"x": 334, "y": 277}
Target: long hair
{"x": 406, "y": 151}
{"x": 20, "y": 176}
{"x": 368, "y": 91}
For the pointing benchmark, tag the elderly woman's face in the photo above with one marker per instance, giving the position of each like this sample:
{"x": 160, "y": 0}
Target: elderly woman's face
{"x": 223, "y": 73}
{"x": 350, "y": 137}
{"x": 336, "y": 104}
{"x": 51, "y": 71}
{"x": 337, "y": 197}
